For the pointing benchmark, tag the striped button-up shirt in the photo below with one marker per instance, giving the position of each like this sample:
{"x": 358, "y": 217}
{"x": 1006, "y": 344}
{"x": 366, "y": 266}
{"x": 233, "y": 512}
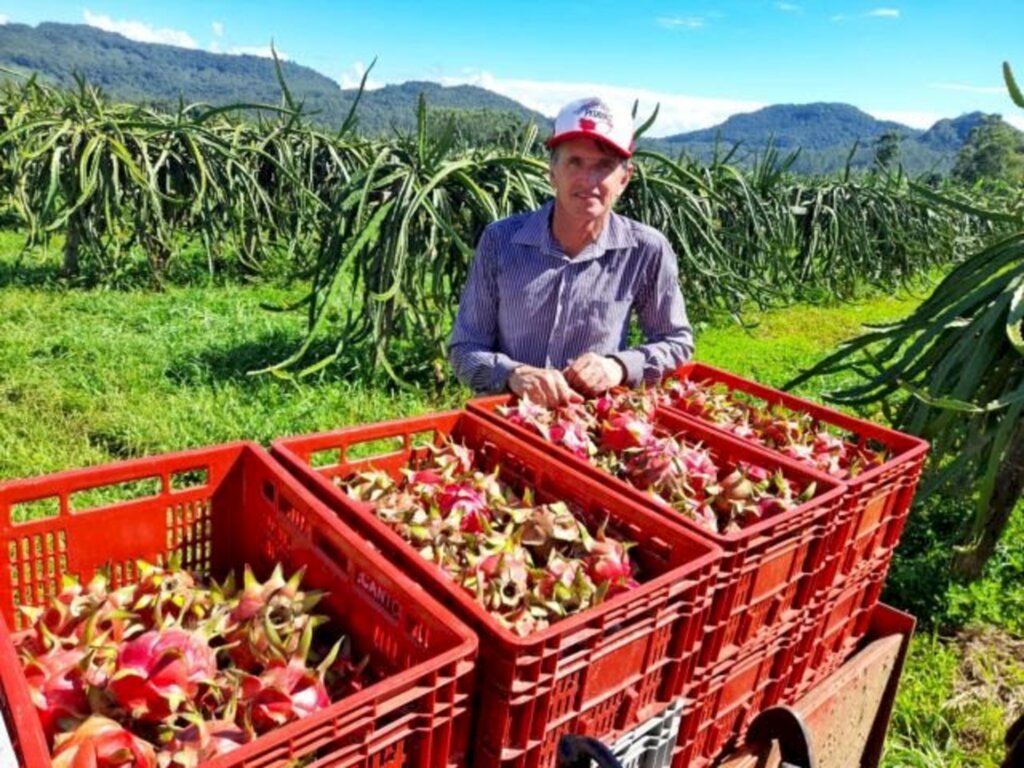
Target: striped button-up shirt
{"x": 526, "y": 302}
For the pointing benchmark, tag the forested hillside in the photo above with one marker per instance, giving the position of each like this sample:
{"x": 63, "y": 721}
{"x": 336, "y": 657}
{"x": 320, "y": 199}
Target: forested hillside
{"x": 824, "y": 136}
{"x": 161, "y": 75}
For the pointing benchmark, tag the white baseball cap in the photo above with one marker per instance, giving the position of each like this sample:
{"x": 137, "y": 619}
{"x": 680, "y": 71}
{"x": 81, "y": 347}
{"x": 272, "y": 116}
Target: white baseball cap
{"x": 594, "y": 118}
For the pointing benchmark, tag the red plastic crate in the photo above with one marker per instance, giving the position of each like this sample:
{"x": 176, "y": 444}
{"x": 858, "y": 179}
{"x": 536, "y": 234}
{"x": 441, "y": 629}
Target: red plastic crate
{"x": 769, "y": 569}
{"x": 878, "y": 500}
{"x": 728, "y": 698}
{"x": 835, "y": 624}
{"x": 705, "y": 741}
{"x": 221, "y": 508}
{"x": 599, "y": 672}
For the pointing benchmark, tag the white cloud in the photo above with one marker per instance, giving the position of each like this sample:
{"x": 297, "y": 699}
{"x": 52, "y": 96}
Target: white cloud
{"x": 681, "y": 22}
{"x": 263, "y": 51}
{"x": 218, "y": 28}
{"x": 139, "y": 30}
{"x": 1016, "y": 121}
{"x": 351, "y": 77}
{"x": 886, "y": 13}
{"x": 993, "y": 89}
{"x": 787, "y": 7}
{"x": 907, "y": 117}
{"x": 840, "y": 17}
{"x": 3, "y": 19}
{"x": 677, "y": 113}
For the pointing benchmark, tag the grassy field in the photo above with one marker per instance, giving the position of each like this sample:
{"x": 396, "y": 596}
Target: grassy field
{"x": 91, "y": 376}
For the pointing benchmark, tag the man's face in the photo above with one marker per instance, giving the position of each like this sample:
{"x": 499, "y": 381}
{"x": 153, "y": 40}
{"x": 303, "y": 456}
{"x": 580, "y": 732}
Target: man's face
{"x": 587, "y": 178}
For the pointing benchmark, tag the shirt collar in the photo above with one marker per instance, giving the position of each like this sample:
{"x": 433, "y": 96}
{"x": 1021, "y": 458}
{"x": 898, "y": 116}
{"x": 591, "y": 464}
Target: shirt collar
{"x": 536, "y": 232}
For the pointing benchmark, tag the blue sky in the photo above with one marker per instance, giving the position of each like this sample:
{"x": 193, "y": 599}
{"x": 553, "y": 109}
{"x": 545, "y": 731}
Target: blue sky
{"x": 914, "y": 61}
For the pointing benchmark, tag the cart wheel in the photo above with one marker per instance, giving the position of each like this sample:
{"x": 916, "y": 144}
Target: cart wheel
{"x": 785, "y": 726}
{"x": 584, "y": 752}
{"x": 1015, "y": 744}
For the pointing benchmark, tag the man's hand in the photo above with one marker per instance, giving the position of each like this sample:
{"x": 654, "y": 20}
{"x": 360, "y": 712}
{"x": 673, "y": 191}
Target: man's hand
{"x": 544, "y": 386}
{"x": 594, "y": 374}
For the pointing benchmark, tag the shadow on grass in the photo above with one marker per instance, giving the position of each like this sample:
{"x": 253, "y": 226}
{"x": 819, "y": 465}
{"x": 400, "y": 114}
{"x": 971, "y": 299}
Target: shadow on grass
{"x": 237, "y": 364}
{"x": 18, "y": 274}
{"x": 920, "y": 577}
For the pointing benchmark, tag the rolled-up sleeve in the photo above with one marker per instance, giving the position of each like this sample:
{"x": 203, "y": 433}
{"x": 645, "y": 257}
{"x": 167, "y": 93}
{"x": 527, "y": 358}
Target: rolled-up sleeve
{"x": 661, "y": 312}
{"x": 472, "y": 347}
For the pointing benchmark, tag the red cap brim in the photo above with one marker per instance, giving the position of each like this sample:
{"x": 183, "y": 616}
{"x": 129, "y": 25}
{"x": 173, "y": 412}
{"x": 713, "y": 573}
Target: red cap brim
{"x": 554, "y": 141}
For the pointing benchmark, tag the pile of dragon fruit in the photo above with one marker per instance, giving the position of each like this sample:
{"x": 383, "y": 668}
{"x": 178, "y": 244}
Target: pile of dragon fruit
{"x": 527, "y": 564}
{"x": 170, "y": 672}
{"x": 794, "y": 434}
{"x": 617, "y": 433}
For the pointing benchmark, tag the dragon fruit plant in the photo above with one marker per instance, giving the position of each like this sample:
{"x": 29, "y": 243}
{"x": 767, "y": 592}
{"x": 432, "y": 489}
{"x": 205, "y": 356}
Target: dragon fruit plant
{"x": 617, "y": 433}
{"x": 792, "y": 433}
{"x": 169, "y": 672}
{"x": 527, "y": 564}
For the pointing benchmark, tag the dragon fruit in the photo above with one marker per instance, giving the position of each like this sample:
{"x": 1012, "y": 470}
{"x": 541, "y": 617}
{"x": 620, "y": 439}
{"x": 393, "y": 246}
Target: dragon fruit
{"x": 268, "y": 619}
{"x": 684, "y": 475}
{"x": 201, "y": 740}
{"x": 607, "y": 562}
{"x": 100, "y": 742}
{"x": 796, "y": 434}
{"x": 467, "y": 503}
{"x": 134, "y": 680}
{"x": 65, "y": 617}
{"x": 285, "y": 691}
{"x": 490, "y": 538}
{"x": 56, "y": 683}
{"x": 160, "y": 671}
{"x": 624, "y": 431}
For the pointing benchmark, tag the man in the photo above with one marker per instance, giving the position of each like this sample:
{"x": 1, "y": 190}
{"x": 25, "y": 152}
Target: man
{"x": 546, "y": 307}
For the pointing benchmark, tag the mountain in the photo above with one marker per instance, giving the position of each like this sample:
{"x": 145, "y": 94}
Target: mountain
{"x": 824, "y": 134}
{"x": 811, "y": 126}
{"x": 950, "y": 135}
{"x": 161, "y": 75}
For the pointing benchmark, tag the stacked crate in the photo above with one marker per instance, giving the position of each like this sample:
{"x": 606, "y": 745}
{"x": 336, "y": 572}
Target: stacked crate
{"x": 601, "y": 672}
{"x": 670, "y": 673}
{"x": 220, "y": 508}
{"x": 856, "y": 555}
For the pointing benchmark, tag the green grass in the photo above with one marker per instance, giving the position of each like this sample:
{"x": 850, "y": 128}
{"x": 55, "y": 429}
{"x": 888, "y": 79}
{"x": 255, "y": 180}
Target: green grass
{"x": 92, "y": 376}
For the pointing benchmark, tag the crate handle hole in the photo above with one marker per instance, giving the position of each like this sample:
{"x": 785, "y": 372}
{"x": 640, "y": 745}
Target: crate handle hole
{"x": 187, "y": 479}
{"x": 377, "y": 448}
{"x": 98, "y": 497}
{"x": 328, "y": 457}
{"x": 36, "y": 509}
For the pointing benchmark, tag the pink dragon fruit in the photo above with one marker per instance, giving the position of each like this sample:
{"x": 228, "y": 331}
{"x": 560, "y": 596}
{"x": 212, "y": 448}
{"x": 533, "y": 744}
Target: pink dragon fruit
{"x": 56, "y": 683}
{"x": 99, "y": 742}
{"x": 64, "y": 618}
{"x": 660, "y": 466}
{"x": 285, "y": 691}
{"x": 624, "y": 431}
{"x": 503, "y": 577}
{"x": 572, "y": 436}
{"x": 607, "y": 562}
{"x": 268, "y": 619}
{"x": 469, "y": 504}
{"x": 161, "y": 670}
{"x": 201, "y": 740}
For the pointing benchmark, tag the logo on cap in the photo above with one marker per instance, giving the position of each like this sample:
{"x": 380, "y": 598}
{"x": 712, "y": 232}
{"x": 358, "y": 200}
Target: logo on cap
{"x": 595, "y": 118}
{"x": 592, "y": 112}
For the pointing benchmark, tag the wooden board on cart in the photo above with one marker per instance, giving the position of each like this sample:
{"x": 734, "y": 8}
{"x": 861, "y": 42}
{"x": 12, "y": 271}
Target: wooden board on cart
{"x": 848, "y": 713}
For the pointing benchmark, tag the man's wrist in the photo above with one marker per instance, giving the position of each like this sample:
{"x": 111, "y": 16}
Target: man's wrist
{"x": 513, "y": 377}
{"x": 621, "y": 366}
